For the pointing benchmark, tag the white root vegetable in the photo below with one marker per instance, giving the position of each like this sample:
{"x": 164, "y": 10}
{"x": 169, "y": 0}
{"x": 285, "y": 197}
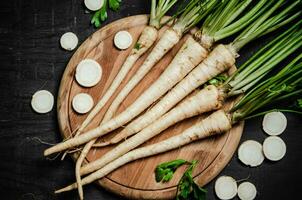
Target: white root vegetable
{"x": 274, "y": 148}
{"x": 187, "y": 58}
{"x": 146, "y": 40}
{"x": 250, "y": 153}
{"x": 88, "y": 73}
{"x": 42, "y": 101}
{"x": 122, "y": 40}
{"x": 169, "y": 39}
{"x": 247, "y": 191}
{"x": 218, "y": 61}
{"x": 217, "y": 122}
{"x": 274, "y": 123}
{"x": 225, "y": 187}
{"x": 94, "y": 5}
{"x": 82, "y": 103}
{"x": 69, "y": 41}
{"x": 189, "y": 107}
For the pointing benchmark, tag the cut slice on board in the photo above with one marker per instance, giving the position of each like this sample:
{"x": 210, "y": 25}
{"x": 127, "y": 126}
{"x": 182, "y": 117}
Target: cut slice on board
{"x": 88, "y": 73}
{"x": 274, "y": 148}
{"x": 122, "y": 40}
{"x": 250, "y": 153}
{"x": 82, "y": 103}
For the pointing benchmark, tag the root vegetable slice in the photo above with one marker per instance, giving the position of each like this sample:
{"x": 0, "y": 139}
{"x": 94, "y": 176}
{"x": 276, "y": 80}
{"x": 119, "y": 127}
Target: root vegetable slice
{"x": 274, "y": 123}
{"x": 69, "y": 41}
{"x": 122, "y": 39}
{"x": 88, "y": 73}
{"x": 274, "y": 148}
{"x": 247, "y": 191}
{"x": 82, "y": 103}
{"x": 250, "y": 153}
{"x": 42, "y": 101}
{"x": 94, "y": 4}
{"x": 225, "y": 187}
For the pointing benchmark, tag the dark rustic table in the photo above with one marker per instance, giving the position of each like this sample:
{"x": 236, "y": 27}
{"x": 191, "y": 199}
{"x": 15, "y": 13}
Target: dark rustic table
{"x": 31, "y": 59}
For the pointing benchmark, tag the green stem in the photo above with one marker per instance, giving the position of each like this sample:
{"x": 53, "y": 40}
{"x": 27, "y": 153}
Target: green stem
{"x": 288, "y": 20}
{"x": 158, "y": 10}
{"x": 273, "y": 110}
{"x": 285, "y": 50}
{"x": 238, "y": 10}
{"x": 261, "y": 57}
{"x": 241, "y": 23}
{"x": 218, "y": 23}
{"x": 255, "y": 29}
{"x": 295, "y": 93}
{"x": 263, "y": 87}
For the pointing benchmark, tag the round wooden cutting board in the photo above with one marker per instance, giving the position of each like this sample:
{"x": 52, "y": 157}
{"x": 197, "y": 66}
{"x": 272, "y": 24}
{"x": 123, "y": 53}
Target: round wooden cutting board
{"x": 136, "y": 180}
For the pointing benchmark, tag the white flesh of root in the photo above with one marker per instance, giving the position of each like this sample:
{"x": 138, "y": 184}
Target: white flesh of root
{"x": 69, "y": 41}
{"x": 94, "y": 5}
{"x": 247, "y": 191}
{"x": 82, "y": 103}
{"x": 168, "y": 40}
{"x": 88, "y": 73}
{"x": 42, "y": 101}
{"x": 274, "y": 148}
{"x": 122, "y": 40}
{"x": 219, "y": 60}
{"x": 146, "y": 40}
{"x": 250, "y": 153}
{"x": 199, "y": 102}
{"x": 216, "y": 123}
{"x": 225, "y": 187}
{"x": 274, "y": 123}
{"x": 187, "y": 58}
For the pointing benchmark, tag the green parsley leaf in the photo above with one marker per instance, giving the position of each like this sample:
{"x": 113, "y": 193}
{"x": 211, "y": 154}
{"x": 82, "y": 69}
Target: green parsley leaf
{"x": 114, "y": 4}
{"x": 299, "y": 103}
{"x": 96, "y": 19}
{"x": 198, "y": 192}
{"x": 137, "y": 46}
{"x": 165, "y": 171}
{"x": 103, "y": 10}
{"x": 188, "y": 188}
{"x": 218, "y": 80}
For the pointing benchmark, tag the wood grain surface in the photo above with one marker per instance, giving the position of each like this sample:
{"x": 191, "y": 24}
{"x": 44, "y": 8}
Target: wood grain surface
{"x": 31, "y": 59}
{"x": 136, "y": 180}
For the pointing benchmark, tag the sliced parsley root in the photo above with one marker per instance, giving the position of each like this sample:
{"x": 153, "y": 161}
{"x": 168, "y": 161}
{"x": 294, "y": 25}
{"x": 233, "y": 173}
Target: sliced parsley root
{"x": 225, "y": 187}
{"x": 146, "y": 40}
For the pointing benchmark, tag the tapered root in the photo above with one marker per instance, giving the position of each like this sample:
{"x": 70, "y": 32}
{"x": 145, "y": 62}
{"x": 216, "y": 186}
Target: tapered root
{"x": 221, "y": 59}
{"x": 200, "y": 101}
{"x": 216, "y": 123}
{"x": 190, "y": 54}
{"x": 67, "y": 188}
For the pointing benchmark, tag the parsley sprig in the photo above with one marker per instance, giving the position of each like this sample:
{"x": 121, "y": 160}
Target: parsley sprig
{"x": 187, "y": 188}
{"x": 164, "y": 172}
{"x": 101, "y": 15}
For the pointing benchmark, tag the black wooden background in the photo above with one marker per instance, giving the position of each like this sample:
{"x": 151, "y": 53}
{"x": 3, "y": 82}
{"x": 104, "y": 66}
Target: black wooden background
{"x": 31, "y": 59}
